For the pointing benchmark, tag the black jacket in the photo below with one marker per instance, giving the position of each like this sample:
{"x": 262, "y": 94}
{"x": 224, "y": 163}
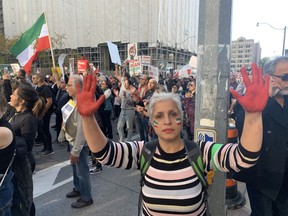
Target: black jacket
{"x": 267, "y": 175}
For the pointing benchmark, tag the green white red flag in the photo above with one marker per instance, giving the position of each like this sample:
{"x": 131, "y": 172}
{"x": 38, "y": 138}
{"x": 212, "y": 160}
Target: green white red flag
{"x": 31, "y": 42}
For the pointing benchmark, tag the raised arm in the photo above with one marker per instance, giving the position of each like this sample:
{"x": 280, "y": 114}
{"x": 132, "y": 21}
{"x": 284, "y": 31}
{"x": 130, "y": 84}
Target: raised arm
{"x": 253, "y": 102}
{"x": 87, "y": 106}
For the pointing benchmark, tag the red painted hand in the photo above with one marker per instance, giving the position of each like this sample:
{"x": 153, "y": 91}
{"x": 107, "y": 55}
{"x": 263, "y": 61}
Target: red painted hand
{"x": 86, "y": 102}
{"x": 257, "y": 91}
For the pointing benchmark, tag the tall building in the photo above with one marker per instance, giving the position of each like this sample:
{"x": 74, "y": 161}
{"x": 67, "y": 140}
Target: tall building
{"x": 244, "y": 53}
{"x": 165, "y": 30}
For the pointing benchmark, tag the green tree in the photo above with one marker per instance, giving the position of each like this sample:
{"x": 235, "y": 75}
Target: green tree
{"x": 5, "y": 46}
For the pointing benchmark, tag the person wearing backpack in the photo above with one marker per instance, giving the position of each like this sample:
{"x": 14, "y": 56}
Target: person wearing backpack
{"x": 171, "y": 186}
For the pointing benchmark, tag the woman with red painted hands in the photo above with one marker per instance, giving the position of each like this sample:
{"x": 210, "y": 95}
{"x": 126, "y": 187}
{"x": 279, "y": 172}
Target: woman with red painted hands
{"x": 170, "y": 185}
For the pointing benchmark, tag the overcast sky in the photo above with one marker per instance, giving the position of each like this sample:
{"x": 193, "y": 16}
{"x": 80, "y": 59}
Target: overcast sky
{"x": 245, "y": 15}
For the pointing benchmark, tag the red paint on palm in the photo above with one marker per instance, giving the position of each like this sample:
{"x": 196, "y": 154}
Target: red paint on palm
{"x": 257, "y": 91}
{"x": 86, "y": 101}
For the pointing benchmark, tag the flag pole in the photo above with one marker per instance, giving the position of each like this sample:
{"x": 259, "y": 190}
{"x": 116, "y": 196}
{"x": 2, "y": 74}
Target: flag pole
{"x": 52, "y": 54}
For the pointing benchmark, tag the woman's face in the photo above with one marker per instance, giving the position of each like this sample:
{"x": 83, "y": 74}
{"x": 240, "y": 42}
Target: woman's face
{"x": 126, "y": 84}
{"x": 70, "y": 89}
{"x": 174, "y": 89}
{"x": 192, "y": 86}
{"x": 14, "y": 99}
{"x": 166, "y": 120}
{"x": 103, "y": 85}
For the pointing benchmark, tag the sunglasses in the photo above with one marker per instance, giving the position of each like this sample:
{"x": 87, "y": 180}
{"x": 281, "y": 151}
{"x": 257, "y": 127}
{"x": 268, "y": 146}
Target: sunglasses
{"x": 282, "y": 77}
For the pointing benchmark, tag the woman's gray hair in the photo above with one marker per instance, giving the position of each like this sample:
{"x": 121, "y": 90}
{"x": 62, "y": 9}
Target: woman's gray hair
{"x": 269, "y": 67}
{"x": 76, "y": 79}
{"x": 163, "y": 96}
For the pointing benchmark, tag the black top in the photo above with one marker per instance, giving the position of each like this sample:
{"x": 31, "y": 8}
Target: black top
{"x": 24, "y": 125}
{"x": 268, "y": 174}
{"x": 46, "y": 92}
{"x": 6, "y": 154}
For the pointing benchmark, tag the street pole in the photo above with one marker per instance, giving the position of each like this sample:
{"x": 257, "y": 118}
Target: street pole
{"x": 283, "y": 50}
{"x": 284, "y": 29}
{"x": 214, "y": 45}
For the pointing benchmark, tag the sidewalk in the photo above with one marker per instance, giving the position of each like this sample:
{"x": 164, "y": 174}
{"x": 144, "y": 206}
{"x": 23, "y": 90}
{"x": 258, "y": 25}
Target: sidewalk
{"x": 245, "y": 210}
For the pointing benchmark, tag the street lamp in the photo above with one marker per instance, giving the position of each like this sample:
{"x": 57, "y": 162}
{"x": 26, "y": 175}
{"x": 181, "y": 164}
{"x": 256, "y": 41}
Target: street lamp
{"x": 284, "y": 29}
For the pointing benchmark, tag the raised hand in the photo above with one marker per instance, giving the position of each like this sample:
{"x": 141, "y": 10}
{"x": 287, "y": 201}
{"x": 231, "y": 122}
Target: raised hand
{"x": 86, "y": 101}
{"x": 257, "y": 91}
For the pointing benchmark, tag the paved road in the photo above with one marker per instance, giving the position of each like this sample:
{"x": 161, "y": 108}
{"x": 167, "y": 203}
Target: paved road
{"x": 115, "y": 191}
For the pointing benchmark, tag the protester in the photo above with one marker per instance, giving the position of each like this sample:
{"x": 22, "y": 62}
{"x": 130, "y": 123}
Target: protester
{"x": 44, "y": 134}
{"x": 73, "y": 133}
{"x": 189, "y": 107}
{"x": 28, "y": 107}
{"x": 267, "y": 181}
{"x": 7, "y": 146}
{"x": 159, "y": 195}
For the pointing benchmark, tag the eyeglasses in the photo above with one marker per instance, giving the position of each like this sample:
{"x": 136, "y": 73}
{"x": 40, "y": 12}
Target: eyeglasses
{"x": 282, "y": 77}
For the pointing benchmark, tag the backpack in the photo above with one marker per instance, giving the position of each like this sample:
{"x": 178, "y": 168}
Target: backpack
{"x": 193, "y": 155}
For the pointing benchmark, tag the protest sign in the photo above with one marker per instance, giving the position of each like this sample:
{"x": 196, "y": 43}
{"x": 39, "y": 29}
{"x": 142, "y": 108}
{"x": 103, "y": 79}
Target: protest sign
{"x": 82, "y": 66}
{"x": 71, "y": 65}
{"x": 153, "y": 72}
{"x": 145, "y": 60}
{"x": 114, "y": 53}
{"x": 15, "y": 67}
{"x": 61, "y": 61}
{"x": 135, "y": 67}
{"x": 132, "y": 51}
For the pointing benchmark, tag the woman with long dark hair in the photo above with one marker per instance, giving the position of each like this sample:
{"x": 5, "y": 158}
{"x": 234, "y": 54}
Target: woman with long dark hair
{"x": 28, "y": 107}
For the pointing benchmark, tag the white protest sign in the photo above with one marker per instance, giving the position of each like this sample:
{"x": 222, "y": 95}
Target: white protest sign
{"x": 153, "y": 72}
{"x": 71, "y": 65}
{"x": 114, "y": 53}
{"x": 15, "y": 67}
{"x": 193, "y": 62}
{"x": 145, "y": 60}
{"x": 135, "y": 67}
{"x": 61, "y": 61}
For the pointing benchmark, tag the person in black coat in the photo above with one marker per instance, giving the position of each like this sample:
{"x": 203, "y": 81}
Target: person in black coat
{"x": 267, "y": 181}
{"x": 62, "y": 97}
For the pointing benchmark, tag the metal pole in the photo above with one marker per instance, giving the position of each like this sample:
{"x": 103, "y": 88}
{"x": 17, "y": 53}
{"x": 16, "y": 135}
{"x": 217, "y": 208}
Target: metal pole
{"x": 214, "y": 41}
{"x": 283, "y": 50}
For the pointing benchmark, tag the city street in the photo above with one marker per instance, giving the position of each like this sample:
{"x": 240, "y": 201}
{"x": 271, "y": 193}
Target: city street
{"x": 115, "y": 191}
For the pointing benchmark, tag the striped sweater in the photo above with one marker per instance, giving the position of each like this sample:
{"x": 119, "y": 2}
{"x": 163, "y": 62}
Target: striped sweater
{"x": 171, "y": 186}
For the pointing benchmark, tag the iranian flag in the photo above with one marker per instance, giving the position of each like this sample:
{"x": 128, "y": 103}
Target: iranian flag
{"x": 31, "y": 42}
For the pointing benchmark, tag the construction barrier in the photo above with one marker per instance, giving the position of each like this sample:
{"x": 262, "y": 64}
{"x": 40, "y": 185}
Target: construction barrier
{"x": 234, "y": 199}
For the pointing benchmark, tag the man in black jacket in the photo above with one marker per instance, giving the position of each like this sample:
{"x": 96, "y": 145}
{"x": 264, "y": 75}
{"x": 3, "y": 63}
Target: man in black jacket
{"x": 267, "y": 181}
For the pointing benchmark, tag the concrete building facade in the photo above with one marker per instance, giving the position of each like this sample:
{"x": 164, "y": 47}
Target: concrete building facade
{"x": 165, "y": 30}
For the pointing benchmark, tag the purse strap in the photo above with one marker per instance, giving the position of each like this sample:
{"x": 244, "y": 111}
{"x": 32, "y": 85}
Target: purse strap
{"x": 6, "y": 172}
